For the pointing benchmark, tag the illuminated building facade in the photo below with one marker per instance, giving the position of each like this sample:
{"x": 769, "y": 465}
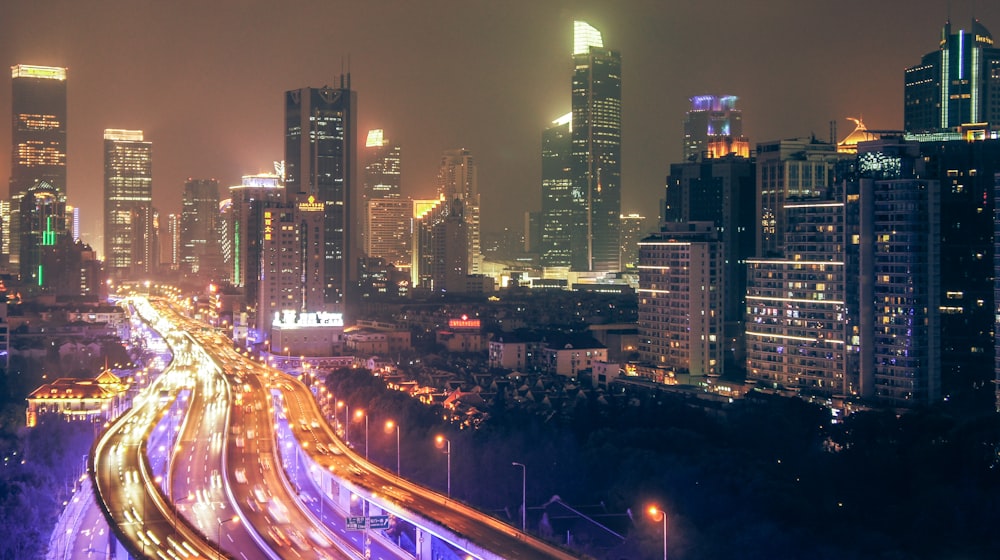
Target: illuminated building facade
{"x": 721, "y": 191}
{"x": 458, "y": 180}
{"x": 596, "y": 151}
{"x": 381, "y": 180}
{"x": 38, "y": 139}
{"x": 440, "y": 240}
{"x": 171, "y": 251}
{"x": 557, "y": 195}
{"x": 320, "y": 159}
{"x": 43, "y": 225}
{"x": 956, "y": 85}
{"x": 800, "y": 333}
{"x": 291, "y": 261}
{"x": 633, "y": 229}
{"x": 680, "y": 302}
{"x": 129, "y": 237}
{"x": 250, "y": 199}
{"x": 389, "y": 230}
{"x": 787, "y": 170}
{"x": 201, "y": 253}
{"x": 713, "y": 128}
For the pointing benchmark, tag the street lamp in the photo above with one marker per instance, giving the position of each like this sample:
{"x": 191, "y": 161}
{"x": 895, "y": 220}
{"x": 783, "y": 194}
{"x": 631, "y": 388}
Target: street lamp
{"x": 218, "y": 548}
{"x": 347, "y": 421}
{"x": 388, "y": 427}
{"x": 443, "y": 441}
{"x": 524, "y": 495}
{"x": 358, "y": 414}
{"x": 655, "y": 513}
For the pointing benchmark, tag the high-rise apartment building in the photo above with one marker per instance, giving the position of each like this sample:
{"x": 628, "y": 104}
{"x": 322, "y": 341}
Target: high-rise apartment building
{"x": 787, "y": 170}
{"x": 320, "y": 159}
{"x": 458, "y": 180}
{"x": 680, "y": 302}
{"x": 633, "y": 229}
{"x": 596, "y": 151}
{"x": 201, "y": 253}
{"x": 721, "y": 191}
{"x": 389, "y": 231}
{"x": 440, "y": 241}
{"x": 556, "y": 246}
{"x": 38, "y": 140}
{"x": 129, "y": 236}
{"x": 713, "y": 128}
{"x": 957, "y": 84}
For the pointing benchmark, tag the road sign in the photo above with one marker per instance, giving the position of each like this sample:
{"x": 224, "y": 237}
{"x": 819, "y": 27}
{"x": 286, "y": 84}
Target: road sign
{"x": 378, "y": 522}
{"x": 355, "y": 523}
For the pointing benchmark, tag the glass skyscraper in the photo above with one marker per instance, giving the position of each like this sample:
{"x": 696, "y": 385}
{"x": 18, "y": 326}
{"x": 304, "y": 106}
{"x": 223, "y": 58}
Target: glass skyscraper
{"x": 130, "y": 246}
{"x": 596, "y": 151}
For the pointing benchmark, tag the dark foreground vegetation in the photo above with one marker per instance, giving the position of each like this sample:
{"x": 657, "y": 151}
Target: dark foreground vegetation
{"x": 766, "y": 477}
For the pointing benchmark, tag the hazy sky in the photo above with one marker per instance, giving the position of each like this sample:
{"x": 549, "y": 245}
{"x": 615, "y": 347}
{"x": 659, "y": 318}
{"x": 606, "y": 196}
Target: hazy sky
{"x": 205, "y": 79}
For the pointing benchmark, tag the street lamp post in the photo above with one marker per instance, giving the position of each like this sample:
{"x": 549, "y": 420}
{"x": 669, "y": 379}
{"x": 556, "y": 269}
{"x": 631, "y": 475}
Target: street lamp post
{"x": 524, "y": 495}
{"x": 655, "y": 513}
{"x": 358, "y": 414}
{"x": 389, "y": 426}
{"x": 441, "y": 440}
{"x": 218, "y": 549}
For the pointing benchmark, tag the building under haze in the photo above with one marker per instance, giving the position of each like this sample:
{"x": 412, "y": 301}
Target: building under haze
{"x": 320, "y": 160}
{"x": 958, "y": 84}
{"x": 254, "y": 195}
{"x": 38, "y": 140}
{"x": 381, "y": 178}
{"x": 201, "y": 252}
{"x": 596, "y": 131}
{"x": 43, "y": 224}
{"x": 556, "y": 247}
{"x": 130, "y": 246}
{"x": 389, "y": 231}
{"x": 714, "y": 128}
{"x": 458, "y": 180}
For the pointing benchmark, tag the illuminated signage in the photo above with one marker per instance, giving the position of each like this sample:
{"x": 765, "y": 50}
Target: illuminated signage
{"x": 311, "y": 205}
{"x": 42, "y": 72}
{"x": 463, "y": 323}
{"x": 289, "y": 318}
{"x": 267, "y": 225}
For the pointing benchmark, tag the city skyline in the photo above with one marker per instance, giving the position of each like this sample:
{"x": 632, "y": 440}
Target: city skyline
{"x": 211, "y": 102}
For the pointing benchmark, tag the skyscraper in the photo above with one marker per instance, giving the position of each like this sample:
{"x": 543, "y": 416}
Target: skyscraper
{"x": 201, "y": 254}
{"x": 458, "y": 180}
{"x": 596, "y": 151}
{"x": 250, "y": 198}
{"x": 320, "y": 153}
{"x": 958, "y": 84}
{"x": 557, "y": 199}
{"x": 38, "y": 139}
{"x": 381, "y": 182}
{"x": 714, "y": 128}
{"x": 129, "y": 238}
{"x": 42, "y": 225}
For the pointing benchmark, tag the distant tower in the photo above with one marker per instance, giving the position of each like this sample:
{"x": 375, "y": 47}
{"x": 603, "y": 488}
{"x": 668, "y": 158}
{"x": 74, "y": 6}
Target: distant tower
{"x": 251, "y": 198}
{"x": 129, "y": 239}
{"x": 38, "y": 139}
{"x": 633, "y": 230}
{"x": 320, "y": 158}
{"x": 557, "y": 199}
{"x": 200, "y": 251}
{"x": 458, "y": 180}
{"x": 713, "y": 128}
{"x": 381, "y": 181}
{"x": 596, "y": 152}
{"x": 955, "y": 85}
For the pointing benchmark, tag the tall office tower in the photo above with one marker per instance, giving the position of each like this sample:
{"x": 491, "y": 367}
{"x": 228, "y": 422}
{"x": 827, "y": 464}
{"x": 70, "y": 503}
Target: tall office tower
{"x": 596, "y": 151}
{"x": 440, "y": 245}
{"x": 381, "y": 181}
{"x": 251, "y": 198}
{"x": 38, "y": 138}
{"x": 958, "y": 84}
{"x": 680, "y": 302}
{"x": 799, "y": 328}
{"x": 633, "y": 229}
{"x": 788, "y": 170}
{"x": 226, "y": 239}
{"x": 43, "y": 224}
{"x": 292, "y": 255}
{"x": 389, "y": 231}
{"x": 713, "y": 128}
{"x": 320, "y": 154}
{"x": 200, "y": 250}
{"x": 721, "y": 191}
{"x": 557, "y": 194}
{"x": 458, "y": 180}
{"x": 170, "y": 253}
{"x": 128, "y": 204}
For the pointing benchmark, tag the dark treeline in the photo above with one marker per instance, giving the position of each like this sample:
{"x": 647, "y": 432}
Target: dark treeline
{"x": 764, "y": 477}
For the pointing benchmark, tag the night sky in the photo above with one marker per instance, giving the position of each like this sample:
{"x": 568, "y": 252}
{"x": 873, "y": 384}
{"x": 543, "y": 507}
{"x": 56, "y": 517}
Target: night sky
{"x": 205, "y": 80}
